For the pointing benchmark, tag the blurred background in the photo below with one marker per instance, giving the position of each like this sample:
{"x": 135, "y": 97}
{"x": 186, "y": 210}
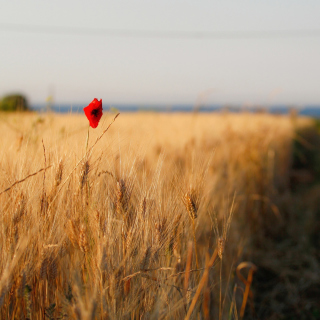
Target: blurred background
{"x": 161, "y": 53}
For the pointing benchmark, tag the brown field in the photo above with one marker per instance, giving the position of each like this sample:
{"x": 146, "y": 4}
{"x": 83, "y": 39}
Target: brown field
{"x": 181, "y": 216}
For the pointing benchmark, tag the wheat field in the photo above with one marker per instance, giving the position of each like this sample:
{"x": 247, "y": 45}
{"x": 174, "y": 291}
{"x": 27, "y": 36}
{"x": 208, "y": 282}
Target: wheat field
{"x": 156, "y": 218}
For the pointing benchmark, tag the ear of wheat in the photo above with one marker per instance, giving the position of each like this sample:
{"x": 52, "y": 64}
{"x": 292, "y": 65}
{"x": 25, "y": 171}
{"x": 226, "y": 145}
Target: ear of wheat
{"x": 146, "y": 259}
{"x": 83, "y": 240}
{"x": 221, "y": 244}
{"x": 191, "y": 205}
{"x": 84, "y": 174}
{"x": 121, "y": 197}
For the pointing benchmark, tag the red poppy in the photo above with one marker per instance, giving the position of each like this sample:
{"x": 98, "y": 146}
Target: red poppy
{"x": 94, "y": 112}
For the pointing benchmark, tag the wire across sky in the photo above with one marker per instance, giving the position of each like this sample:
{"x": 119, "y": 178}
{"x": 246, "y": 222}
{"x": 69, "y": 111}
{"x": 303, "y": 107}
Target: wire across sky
{"x": 223, "y": 35}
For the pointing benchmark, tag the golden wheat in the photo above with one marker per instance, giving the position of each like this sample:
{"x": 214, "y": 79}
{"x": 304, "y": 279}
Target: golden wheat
{"x": 80, "y": 243}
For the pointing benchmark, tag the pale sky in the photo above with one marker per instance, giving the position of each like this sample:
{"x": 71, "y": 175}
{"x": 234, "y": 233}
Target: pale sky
{"x": 76, "y": 64}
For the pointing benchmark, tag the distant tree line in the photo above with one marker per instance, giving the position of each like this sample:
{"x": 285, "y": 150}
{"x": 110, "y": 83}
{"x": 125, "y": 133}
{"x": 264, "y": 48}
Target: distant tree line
{"x": 14, "y": 102}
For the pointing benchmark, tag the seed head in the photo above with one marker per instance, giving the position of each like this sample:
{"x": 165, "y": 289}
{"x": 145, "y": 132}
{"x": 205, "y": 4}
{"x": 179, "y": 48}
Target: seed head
{"x": 221, "y": 244}
{"x": 191, "y": 204}
{"x": 83, "y": 241}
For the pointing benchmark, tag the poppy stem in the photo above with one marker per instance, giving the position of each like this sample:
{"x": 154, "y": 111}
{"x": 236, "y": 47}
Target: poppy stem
{"x": 87, "y": 158}
{"x": 87, "y": 142}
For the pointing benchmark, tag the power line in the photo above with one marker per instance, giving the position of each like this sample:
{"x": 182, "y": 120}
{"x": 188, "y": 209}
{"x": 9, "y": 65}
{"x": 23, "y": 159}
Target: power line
{"x": 127, "y": 33}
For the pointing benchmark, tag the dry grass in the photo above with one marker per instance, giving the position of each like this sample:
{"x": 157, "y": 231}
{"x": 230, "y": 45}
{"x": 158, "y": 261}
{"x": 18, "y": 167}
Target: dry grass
{"x": 137, "y": 227}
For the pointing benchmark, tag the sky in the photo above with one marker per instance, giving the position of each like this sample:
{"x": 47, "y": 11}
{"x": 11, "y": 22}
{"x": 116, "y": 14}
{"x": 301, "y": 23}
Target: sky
{"x": 145, "y": 52}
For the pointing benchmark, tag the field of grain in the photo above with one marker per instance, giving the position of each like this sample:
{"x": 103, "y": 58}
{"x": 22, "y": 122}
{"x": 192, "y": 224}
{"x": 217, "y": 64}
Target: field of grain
{"x": 159, "y": 217}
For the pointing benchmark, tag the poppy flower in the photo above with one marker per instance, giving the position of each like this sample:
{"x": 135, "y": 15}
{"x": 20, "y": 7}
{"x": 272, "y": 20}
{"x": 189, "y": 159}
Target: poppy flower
{"x": 94, "y": 112}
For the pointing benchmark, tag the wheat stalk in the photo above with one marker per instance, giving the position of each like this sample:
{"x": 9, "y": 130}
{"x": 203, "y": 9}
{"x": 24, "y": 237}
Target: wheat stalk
{"x": 190, "y": 201}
